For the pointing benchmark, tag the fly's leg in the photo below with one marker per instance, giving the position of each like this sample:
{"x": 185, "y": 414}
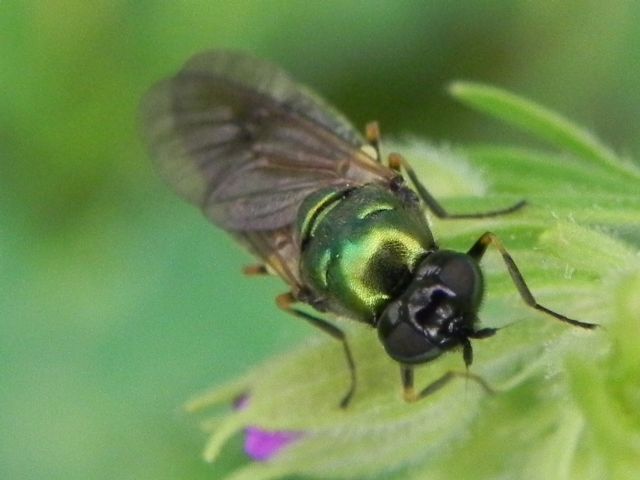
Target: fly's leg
{"x": 478, "y": 250}
{"x": 285, "y": 302}
{"x": 255, "y": 270}
{"x": 397, "y": 162}
{"x": 467, "y": 349}
{"x": 372, "y": 133}
{"x": 410, "y": 395}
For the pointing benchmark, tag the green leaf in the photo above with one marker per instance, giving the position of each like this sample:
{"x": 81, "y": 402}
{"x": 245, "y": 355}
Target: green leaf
{"x": 533, "y": 118}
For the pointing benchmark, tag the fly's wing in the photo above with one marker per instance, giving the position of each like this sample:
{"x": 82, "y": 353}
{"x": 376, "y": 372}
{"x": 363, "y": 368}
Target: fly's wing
{"x": 237, "y": 137}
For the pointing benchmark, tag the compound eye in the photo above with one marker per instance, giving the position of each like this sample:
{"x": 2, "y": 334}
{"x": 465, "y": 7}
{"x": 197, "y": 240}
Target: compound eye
{"x": 461, "y": 274}
{"x": 429, "y": 315}
{"x": 457, "y": 273}
{"x": 403, "y": 341}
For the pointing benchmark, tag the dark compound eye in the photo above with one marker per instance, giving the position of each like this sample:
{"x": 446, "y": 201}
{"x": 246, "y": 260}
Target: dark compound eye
{"x": 427, "y": 315}
{"x": 403, "y": 341}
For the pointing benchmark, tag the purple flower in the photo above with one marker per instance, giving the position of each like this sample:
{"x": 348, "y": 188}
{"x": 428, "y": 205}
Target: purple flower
{"x": 260, "y": 444}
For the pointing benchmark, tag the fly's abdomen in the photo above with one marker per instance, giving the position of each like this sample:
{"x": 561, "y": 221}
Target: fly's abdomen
{"x": 359, "y": 247}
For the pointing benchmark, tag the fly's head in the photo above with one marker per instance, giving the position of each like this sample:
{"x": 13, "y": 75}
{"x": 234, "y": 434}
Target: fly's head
{"x": 437, "y": 311}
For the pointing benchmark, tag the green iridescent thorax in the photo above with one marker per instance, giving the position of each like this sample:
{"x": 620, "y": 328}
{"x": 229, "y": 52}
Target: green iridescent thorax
{"x": 360, "y": 246}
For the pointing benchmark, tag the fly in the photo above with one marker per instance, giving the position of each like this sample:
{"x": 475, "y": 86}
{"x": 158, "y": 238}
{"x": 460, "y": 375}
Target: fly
{"x": 290, "y": 178}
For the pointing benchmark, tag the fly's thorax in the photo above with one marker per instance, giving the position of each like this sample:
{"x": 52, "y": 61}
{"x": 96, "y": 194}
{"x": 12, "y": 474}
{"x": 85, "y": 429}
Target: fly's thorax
{"x": 359, "y": 247}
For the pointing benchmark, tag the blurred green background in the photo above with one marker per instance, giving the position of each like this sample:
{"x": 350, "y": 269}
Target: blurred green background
{"x": 118, "y": 301}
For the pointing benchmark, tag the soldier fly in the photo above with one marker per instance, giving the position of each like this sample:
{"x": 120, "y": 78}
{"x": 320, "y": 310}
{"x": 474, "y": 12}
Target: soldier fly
{"x": 290, "y": 178}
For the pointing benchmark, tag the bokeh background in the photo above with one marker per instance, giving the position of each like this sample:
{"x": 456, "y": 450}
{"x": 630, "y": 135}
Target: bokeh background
{"x": 117, "y": 301}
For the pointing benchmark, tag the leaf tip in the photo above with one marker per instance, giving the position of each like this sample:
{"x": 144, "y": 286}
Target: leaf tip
{"x": 457, "y": 88}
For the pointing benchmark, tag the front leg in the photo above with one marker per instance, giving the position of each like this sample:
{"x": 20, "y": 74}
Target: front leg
{"x": 478, "y": 250}
{"x": 410, "y": 395}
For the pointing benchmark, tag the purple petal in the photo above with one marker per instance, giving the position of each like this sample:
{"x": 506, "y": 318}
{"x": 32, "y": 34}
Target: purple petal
{"x": 262, "y": 445}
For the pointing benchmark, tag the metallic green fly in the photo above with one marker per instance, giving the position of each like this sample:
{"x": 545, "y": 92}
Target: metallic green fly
{"x": 287, "y": 176}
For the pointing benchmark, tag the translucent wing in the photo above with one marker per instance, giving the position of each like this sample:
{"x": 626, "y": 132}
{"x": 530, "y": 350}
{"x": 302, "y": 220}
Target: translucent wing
{"x": 236, "y": 136}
